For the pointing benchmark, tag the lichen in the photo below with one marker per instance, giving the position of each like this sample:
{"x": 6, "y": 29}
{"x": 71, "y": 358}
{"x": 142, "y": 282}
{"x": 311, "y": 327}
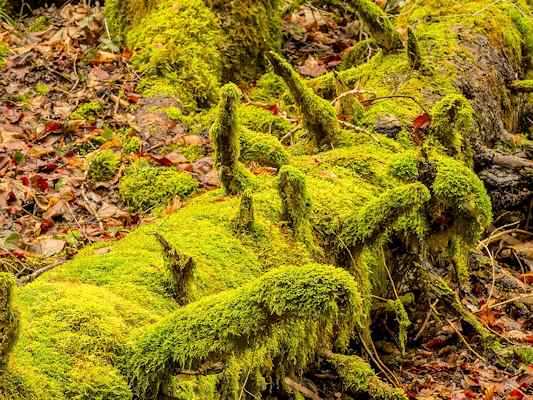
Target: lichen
{"x": 102, "y": 165}
{"x": 144, "y": 187}
{"x": 262, "y": 149}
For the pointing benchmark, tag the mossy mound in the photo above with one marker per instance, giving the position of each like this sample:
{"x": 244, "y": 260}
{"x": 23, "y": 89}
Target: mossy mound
{"x": 261, "y": 120}
{"x": 103, "y": 165}
{"x": 144, "y": 187}
{"x": 262, "y": 149}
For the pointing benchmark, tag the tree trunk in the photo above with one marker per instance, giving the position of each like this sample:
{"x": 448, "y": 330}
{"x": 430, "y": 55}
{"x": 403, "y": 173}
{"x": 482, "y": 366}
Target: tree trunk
{"x": 389, "y": 206}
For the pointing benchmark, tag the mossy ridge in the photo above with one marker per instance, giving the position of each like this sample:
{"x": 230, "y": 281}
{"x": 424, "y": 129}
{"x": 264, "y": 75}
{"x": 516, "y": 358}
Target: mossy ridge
{"x": 322, "y": 298}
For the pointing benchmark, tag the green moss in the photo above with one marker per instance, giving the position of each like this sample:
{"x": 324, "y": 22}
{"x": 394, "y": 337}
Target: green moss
{"x": 402, "y": 319}
{"x": 318, "y": 114}
{"x": 4, "y": 52}
{"x": 177, "y": 44}
{"x": 9, "y": 323}
{"x": 39, "y": 24}
{"x": 268, "y": 88}
{"x": 91, "y": 382}
{"x": 245, "y": 221}
{"x": 296, "y": 204}
{"x": 87, "y": 112}
{"x": 378, "y": 23}
{"x": 131, "y": 144}
{"x": 405, "y": 167}
{"x": 41, "y": 88}
{"x": 357, "y": 376}
{"x": 261, "y": 120}
{"x": 262, "y": 149}
{"x": 311, "y": 302}
{"x": 453, "y": 126}
{"x": 144, "y": 187}
{"x": 103, "y": 166}
{"x": 525, "y": 86}
{"x": 524, "y": 354}
{"x": 225, "y": 137}
{"x": 413, "y": 50}
{"x": 358, "y": 54}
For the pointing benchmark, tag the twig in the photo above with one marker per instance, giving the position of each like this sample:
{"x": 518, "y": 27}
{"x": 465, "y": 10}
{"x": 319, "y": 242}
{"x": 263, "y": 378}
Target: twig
{"x": 290, "y": 133}
{"x": 34, "y": 275}
{"x": 389, "y": 274}
{"x": 493, "y": 264}
{"x": 465, "y": 341}
{"x": 347, "y": 93}
{"x": 306, "y": 392}
{"x": 493, "y": 238}
{"x": 426, "y": 320}
{"x": 520, "y": 297}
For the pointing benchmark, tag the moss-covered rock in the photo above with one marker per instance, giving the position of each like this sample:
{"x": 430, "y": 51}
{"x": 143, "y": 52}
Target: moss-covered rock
{"x": 144, "y": 187}
{"x": 102, "y": 165}
{"x": 262, "y": 149}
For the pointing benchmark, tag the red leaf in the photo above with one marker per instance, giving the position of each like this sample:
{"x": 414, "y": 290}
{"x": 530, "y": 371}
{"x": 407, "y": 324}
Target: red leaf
{"x": 422, "y": 121}
{"x": 40, "y": 182}
{"x": 470, "y": 394}
{"x": 52, "y": 127}
{"x": 436, "y": 342}
{"x": 274, "y": 109}
{"x": 25, "y": 180}
{"x": 516, "y": 395}
{"x": 133, "y": 97}
{"x": 46, "y": 224}
{"x": 48, "y": 167}
{"x": 162, "y": 161}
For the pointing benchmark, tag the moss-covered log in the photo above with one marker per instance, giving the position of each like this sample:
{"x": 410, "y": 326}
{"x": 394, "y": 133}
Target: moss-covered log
{"x": 104, "y": 324}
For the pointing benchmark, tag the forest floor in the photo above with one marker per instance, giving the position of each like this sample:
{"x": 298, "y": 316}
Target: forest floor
{"x": 61, "y": 59}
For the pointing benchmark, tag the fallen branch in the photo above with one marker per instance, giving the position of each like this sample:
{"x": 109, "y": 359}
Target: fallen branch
{"x": 31, "y": 277}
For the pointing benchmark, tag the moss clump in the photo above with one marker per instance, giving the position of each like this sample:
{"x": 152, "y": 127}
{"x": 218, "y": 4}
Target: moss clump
{"x": 453, "y": 126}
{"x": 4, "y": 52}
{"x": 103, "y": 166}
{"x": 144, "y": 187}
{"x": 295, "y": 202}
{"x": 177, "y": 43}
{"x": 402, "y": 319}
{"x": 225, "y": 136}
{"x": 9, "y": 324}
{"x": 357, "y": 376}
{"x": 358, "y": 54}
{"x": 268, "y": 88}
{"x": 405, "y": 167}
{"x": 378, "y": 23}
{"x": 261, "y": 120}
{"x": 41, "y": 88}
{"x": 318, "y": 114}
{"x": 524, "y": 354}
{"x": 525, "y": 86}
{"x": 91, "y": 382}
{"x": 131, "y": 144}
{"x": 262, "y": 149}
{"x": 87, "y": 112}
{"x": 308, "y": 303}
{"x": 413, "y": 51}
{"x": 39, "y": 24}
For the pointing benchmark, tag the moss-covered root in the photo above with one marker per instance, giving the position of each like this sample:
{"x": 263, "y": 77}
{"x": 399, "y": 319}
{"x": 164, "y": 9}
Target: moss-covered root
{"x": 358, "y": 54}
{"x": 358, "y": 377}
{"x": 263, "y": 149}
{"x": 245, "y": 221}
{"x": 285, "y": 316}
{"x": 295, "y": 202}
{"x": 318, "y": 114}
{"x": 441, "y": 290}
{"x": 452, "y": 126}
{"x": 8, "y": 319}
{"x": 347, "y": 104}
{"x": 225, "y": 136}
{"x": 413, "y": 51}
{"x": 378, "y": 24}
{"x": 179, "y": 270}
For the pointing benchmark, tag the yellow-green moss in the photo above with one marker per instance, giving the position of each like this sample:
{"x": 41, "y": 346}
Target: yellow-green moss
{"x": 87, "y": 112}
{"x": 8, "y": 320}
{"x": 131, "y": 144}
{"x": 144, "y": 187}
{"x": 262, "y": 149}
{"x": 103, "y": 165}
{"x": 309, "y": 304}
{"x": 260, "y": 120}
{"x": 358, "y": 54}
{"x": 4, "y": 52}
{"x": 405, "y": 167}
{"x": 268, "y": 88}
{"x": 524, "y": 354}
{"x": 41, "y": 88}
{"x": 39, "y": 24}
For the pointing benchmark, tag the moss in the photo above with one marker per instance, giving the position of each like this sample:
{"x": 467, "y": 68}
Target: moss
{"x": 453, "y": 126}
{"x": 413, "y": 50}
{"x": 347, "y": 106}
{"x": 144, "y": 187}
{"x": 296, "y": 204}
{"x": 179, "y": 269}
{"x": 4, "y": 52}
{"x": 397, "y": 209}
{"x": 87, "y": 112}
{"x": 357, "y": 376}
{"x": 131, "y": 144}
{"x": 103, "y": 166}
{"x": 402, "y": 319}
{"x": 245, "y": 221}
{"x": 225, "y": 137}
{"x": 177, "y": 43}
{"x": 405, "y": 167}
{"x": 41, "y": 89}
{"x": 262, "y": 149}
{"x": 358, "y": 54}
{"x": 9, "y": 323}
{"x": 524, "y": 354}
{"x": 268, "y": 88}
{"x": 318, "y": 114}
{"x": 261, "y": 120}
{"x": 525, "y": 86}
{"x": 308, "y": 303}
{"x": 91, "y": 382}
{"x": 39, "y": 24}
{"x": 378, "y": 23}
